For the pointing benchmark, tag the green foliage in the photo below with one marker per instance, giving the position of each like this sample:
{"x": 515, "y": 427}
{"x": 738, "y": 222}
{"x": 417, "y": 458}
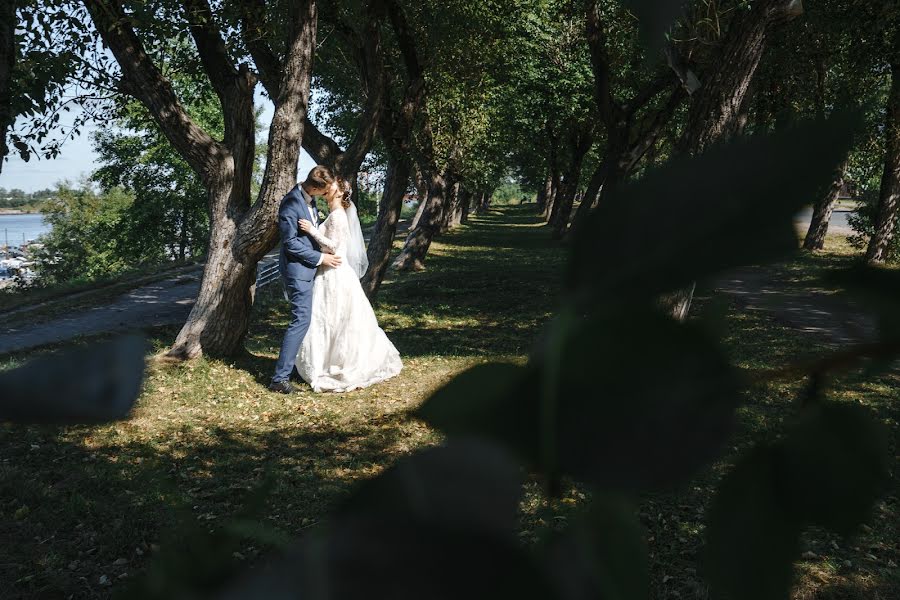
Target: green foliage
{"x": 510, "y": 192}
{"x": 86, "y": 236}
{"x": 169, "y": 218}
{"x": 367, "y": 204}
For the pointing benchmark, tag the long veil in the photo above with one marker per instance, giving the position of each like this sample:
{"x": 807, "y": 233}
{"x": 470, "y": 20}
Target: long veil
{"x": 356, "y": 249}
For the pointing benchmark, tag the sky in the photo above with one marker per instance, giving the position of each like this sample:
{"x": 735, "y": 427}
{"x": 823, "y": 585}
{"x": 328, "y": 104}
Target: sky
{"x": 77, "y": 158}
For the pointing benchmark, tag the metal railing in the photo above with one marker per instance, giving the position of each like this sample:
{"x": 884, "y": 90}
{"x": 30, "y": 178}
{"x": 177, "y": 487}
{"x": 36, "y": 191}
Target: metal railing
{"x": 267, "y": 274}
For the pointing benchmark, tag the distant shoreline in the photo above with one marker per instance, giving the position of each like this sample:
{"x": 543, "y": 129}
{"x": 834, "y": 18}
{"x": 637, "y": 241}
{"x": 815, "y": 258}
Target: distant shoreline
{"x": 15, "y": 211}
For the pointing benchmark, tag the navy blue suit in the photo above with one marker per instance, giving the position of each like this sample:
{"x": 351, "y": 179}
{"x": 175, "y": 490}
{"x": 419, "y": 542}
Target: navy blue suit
{"x": 300, "y": 255}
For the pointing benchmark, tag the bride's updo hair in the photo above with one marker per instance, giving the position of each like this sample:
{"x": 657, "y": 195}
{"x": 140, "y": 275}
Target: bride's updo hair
{"x": 346, "y": 190}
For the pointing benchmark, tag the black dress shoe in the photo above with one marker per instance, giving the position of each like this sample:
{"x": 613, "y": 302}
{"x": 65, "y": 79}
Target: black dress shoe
{"x": 282, "y": 387}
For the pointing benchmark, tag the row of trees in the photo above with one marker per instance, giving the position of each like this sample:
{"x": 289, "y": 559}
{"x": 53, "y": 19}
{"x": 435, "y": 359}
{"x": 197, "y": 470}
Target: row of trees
{"x": 446, "y": 98}
{"x": 396, "y": 86}
{"x": 726, "y": 69}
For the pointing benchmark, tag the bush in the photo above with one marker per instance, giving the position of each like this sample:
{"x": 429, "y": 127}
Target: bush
{"x": 83, "y": 241}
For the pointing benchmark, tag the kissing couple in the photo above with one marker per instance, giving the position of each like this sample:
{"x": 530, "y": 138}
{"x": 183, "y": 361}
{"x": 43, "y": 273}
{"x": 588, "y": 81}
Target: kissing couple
{"x": 333, "y": 341}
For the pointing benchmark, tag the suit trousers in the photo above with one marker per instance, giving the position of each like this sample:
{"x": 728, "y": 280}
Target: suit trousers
{"x": 299, "y": 293}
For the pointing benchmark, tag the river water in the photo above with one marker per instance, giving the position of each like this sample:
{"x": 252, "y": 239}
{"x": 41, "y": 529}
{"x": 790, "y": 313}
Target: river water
{"x": 16, "y": 229}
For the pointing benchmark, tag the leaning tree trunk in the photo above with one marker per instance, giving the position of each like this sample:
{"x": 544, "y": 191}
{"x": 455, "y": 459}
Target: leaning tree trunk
{"x": 555, "y": 183}
{"x": 889, "y": 195}
{"x": 423, "y": 200}
{"x": 412, "y": 257}
{"x": 822, "y": 211}
{"x": 389, "y": 208}
{"x": 7, "y": 61}
{"x": 240, "y": 233}
{"x": 715, "y": 108}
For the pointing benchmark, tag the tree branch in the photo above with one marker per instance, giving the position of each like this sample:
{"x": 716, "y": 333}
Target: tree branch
{"x": 609, "y": 109}
{"x": 286, "y": 130}
{"x": 210, "y": 47}
{"x": 405, "y": 40}
{"x": 253, "y": 14}
{"x": 319, "y": 146}
{"x": 371, "y": 63}
{"x": 148, "y": 85}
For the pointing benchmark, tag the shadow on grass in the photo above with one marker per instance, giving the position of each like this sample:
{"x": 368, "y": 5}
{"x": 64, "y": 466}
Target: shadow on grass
{"x": 82, "y": 507}
{"x": 487, "y": 288}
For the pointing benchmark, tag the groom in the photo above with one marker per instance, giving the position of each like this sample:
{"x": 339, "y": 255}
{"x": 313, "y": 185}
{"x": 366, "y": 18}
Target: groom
{"x": 300, "y": 256}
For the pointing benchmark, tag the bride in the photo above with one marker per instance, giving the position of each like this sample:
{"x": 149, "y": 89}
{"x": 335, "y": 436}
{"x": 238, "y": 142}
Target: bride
{"x": 344, "y": 349}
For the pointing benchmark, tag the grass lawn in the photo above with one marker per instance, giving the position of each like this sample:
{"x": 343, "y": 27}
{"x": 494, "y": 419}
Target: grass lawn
{"x": 83, "y": 509}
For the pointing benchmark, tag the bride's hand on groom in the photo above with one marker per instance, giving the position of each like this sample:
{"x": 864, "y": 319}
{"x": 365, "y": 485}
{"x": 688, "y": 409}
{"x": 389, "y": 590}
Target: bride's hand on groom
{"x": 305, "y": 226}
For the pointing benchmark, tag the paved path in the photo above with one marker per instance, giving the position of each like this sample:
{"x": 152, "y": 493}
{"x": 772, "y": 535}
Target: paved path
{"x": 815, "y": 311}
{"x": 159, "y": 303}
{"x": 163, "y": 302}
{"x": 837, "y": 224}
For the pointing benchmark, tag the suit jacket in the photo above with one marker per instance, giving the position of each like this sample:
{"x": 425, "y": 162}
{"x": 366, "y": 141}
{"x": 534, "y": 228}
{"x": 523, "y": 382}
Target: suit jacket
{"x": 300, "y": 254}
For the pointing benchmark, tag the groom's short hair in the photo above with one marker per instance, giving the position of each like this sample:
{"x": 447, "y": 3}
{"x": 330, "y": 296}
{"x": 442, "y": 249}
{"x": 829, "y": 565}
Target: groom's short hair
{"x": 320, "y": 177}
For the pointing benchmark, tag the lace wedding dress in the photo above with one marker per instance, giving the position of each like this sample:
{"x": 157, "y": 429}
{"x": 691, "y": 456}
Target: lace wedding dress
{"x": 344, "y": 349}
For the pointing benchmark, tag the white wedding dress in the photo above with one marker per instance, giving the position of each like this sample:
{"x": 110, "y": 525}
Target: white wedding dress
{"x": 344, "y": 349}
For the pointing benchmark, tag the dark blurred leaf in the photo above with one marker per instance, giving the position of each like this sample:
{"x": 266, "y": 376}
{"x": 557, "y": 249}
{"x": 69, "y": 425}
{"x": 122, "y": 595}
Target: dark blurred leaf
{"x": 751, "y": 540}
{"x": 194, "y": 561}
{"x": 467, "y": 484}
{"x": 642, "y": 402}
{"x": 601, "y": 555}
{"x": 441, "y": 524}
{"x": 486, "y": 401}
{"x": 835, "y": 465}
{"x": 693, "y": 217}
{"x": 84, "y": 385}
{"x": 656, "y": 17}
{"x": 877, "y": 288}
{"x": 367, "y": 557}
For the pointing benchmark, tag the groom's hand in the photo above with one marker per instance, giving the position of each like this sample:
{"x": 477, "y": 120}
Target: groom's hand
{"x": 331, "y": 260}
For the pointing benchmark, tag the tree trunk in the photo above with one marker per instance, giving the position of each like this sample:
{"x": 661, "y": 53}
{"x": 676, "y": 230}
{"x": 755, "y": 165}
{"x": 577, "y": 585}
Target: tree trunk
{"x": 715, "y": 107}
{"x": 7, "y": 62}
{"x": 382, "y": 242}
{"x": 595, "y": 185}
{"x": 451, "y": 203}
{"x": 552, "y": 195}
{"x": 465, "y": 205}
{"x": 562, "y": 209}
{"x": 486, "y": 198}
{"x": 889, "y": 195}
{"x": 423, "y": 200}
{"x": 818, "y": 225}
{"x": 412, "y": 257}
{"x": 544, "y": 193}
{"x": 220, "y": 317}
